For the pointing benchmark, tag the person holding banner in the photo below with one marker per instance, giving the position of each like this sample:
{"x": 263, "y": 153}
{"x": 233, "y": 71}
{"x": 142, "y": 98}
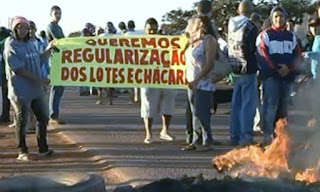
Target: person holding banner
{"x": 134, "y": 92}
{"x": 54, "y": 31}
{"x": 156, "y": 100}
{"x": 110, "y": 30}
{"x": 86, "y": 32}
{"x": 200, "y": 55}
{"x": 26, "y": 85}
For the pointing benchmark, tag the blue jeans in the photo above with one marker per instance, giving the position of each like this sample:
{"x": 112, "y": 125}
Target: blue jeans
{"x": 22, "y": 114}
{"x": 276, "y": 98}
{"x": 200, "y": 104}
{"x": 54, "y": 101}
{"x": 244, "y": 104}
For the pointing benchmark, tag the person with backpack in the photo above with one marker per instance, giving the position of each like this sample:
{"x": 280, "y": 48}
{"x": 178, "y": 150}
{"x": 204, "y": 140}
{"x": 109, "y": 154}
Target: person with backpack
{"x": 279, "y": 52}
{"x": 242, "y": 34}
{"x": 88, "y": 31}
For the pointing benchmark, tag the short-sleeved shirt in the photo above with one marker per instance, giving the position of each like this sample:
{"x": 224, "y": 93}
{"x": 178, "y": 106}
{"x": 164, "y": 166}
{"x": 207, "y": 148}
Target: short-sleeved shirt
{"x": 54, "y": 31}
{"x": 22, "y": 55}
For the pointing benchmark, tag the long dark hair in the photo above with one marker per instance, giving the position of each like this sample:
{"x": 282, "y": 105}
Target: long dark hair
{"x": 208, "y": 30}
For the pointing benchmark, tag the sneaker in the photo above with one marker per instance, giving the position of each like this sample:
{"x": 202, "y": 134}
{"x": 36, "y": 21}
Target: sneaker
{"x": 190, "y": 147}
{"x": 166, "y": 137}
{"x": 47, "y": 153}
{"x": 147, "y": 141}
{"x": 23, "y": 157}
{"x": 56, "y": 122}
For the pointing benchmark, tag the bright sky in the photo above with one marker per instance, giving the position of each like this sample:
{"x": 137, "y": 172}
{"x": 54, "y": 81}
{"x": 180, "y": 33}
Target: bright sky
{"x": 75, "y": 13}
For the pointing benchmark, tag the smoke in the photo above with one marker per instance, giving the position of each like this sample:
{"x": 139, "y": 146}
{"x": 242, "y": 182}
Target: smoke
{"x": 304, "y": 123}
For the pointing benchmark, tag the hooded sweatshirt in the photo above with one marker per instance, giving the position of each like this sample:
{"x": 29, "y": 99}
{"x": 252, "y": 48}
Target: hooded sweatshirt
{"x": 275, "y": 47}
{"x": 249, "y": 38}
{"x": 22, "y": 55}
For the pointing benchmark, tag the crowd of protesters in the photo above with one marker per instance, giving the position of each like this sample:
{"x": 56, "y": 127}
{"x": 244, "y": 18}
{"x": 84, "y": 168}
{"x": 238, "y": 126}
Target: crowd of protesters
{"x": 264, "y": 57}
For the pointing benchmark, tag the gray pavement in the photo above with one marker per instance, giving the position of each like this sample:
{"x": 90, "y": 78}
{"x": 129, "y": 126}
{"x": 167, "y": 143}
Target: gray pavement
{"x": 114, "y": 136}
{"x": 108, "y": 140}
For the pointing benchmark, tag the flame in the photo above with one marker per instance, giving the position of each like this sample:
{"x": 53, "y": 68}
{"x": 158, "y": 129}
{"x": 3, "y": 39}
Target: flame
{"x": 270, "y": 161}
{"x": 310, "y": 175}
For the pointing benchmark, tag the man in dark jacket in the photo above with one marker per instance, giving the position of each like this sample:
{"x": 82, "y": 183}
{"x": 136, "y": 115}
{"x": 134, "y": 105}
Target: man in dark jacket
{"x": 242, "y": 33}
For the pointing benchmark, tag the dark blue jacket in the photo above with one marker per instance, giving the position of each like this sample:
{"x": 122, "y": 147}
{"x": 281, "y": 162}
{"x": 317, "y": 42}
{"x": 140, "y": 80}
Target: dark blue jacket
{"x": 248, "y": 45}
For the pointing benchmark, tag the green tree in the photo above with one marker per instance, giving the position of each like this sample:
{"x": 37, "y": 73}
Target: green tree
{"x": 177, "y": 20}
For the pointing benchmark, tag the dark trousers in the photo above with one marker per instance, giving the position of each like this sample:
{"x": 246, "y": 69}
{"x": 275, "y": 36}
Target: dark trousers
{"x": 189, "y": 129}
{"x": 22, "y": 113}
{"x": 5, "y": 104}
{"x": 200, "y": 104}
